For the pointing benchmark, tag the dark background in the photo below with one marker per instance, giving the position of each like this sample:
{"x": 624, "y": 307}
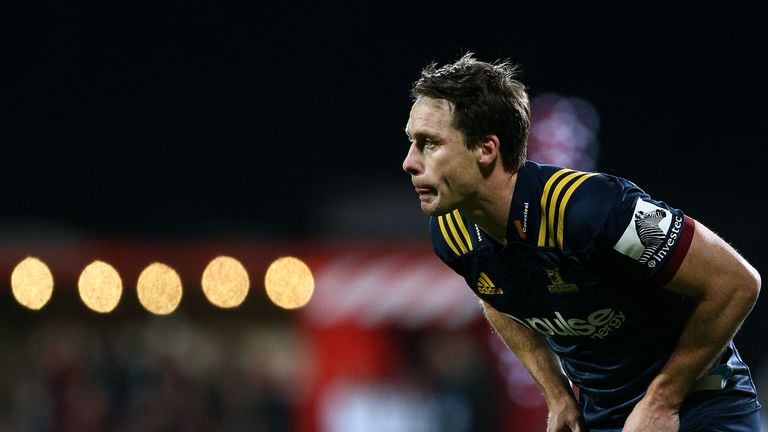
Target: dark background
{"x": 182, "y": 118}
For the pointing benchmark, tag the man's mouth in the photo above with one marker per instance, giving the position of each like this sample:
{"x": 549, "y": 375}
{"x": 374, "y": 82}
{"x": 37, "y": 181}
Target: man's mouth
{"x": 423, "y": 190}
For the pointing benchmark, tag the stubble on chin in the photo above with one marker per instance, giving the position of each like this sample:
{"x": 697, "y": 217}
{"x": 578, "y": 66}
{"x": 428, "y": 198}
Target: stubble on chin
{"x": 433, "y": 209}
{"x": 427, "y": 209}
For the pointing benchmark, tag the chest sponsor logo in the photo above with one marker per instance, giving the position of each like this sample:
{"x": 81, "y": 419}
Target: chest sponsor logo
{"x": 558, "y": 286}
{"x": 486, "y": 286}
{"x": 597, "y": 325}
{"x": 651, "y": 234}
{"x": 522, "y": 226}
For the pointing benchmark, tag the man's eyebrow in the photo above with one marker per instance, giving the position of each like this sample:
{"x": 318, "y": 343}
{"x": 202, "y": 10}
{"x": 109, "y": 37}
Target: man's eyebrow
{"x": 419, "y": 135}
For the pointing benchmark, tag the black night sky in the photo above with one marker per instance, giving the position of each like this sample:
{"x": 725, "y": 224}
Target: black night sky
{"x": 158, "y": 117}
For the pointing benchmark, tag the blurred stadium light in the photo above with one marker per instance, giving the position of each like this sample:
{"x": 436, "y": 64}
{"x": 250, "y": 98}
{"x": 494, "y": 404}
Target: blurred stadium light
{"x": 32, "y": 283}
{"x": 564, "y": 131}
{"x": 225, "y": 282}
{"x": 100, "y": 287}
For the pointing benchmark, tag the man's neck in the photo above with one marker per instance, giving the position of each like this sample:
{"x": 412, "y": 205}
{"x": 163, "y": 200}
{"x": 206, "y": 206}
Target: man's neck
{"x": 490, "y": 210}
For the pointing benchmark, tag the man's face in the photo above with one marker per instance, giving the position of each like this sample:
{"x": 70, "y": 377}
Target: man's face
{"x": 443, "y": 171}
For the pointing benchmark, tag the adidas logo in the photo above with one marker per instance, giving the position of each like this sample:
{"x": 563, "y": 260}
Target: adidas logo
{"x": 486, "y": 286}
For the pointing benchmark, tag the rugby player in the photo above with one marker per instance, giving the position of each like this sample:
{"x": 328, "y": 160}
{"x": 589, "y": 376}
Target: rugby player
{"x": 591, "y": 282}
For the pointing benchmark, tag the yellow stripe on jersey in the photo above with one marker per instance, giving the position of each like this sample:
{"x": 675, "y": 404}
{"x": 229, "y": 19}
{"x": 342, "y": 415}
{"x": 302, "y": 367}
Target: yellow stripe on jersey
{"x": 553, "y": 205}
{"x": 455, "y": 234}
{"x": 561, "y": 214}
{"x": 463, "y": 229}
{"x": 547, "y": 187}
{"x": 486, "y": 279}
{"x": 446, "y": 236}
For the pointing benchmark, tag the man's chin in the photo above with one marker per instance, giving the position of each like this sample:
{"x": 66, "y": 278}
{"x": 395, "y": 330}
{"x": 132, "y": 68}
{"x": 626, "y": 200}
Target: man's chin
{"x": 432, "y": 209}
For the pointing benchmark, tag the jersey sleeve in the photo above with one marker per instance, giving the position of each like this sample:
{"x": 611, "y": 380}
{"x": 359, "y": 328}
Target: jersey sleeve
{"x": 447, "y": 246}
{"x": 646, "y": 237}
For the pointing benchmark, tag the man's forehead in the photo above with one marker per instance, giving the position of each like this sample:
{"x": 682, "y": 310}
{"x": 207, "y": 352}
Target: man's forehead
{"x": 427, "y": 111}
{"x": 428, "y": 104}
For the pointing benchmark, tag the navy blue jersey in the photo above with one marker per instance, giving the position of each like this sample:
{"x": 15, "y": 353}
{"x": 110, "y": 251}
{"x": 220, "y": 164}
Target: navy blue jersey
{"x": 585, "y": 262}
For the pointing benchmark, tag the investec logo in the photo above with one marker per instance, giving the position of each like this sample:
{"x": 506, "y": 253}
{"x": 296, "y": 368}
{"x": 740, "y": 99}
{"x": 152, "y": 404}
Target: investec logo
{"x": 650, "y": 234}
{"x": 597, "y": 325}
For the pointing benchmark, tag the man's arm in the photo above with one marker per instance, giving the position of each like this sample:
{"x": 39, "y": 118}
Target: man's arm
{"x": 545, "y": 368}
{"x": 725, "y": 287}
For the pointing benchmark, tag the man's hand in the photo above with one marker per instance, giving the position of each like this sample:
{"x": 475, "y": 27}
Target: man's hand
{"x": 649, "y": 416}
{"x": 564, "y": 417}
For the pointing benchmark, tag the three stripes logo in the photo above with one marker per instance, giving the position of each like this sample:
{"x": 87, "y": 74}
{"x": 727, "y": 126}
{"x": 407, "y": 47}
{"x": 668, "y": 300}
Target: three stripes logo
{"x": 455, "y": 232}
{"x": 554, "y": 200}
{"x": 486, "y": 286}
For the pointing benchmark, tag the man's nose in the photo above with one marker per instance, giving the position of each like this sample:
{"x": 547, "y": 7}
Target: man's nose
{"x": 412, "y": 163}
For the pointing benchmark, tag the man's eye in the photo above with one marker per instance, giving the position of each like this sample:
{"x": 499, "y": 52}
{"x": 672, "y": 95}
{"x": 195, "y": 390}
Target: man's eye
{"x": 429, "y": 143}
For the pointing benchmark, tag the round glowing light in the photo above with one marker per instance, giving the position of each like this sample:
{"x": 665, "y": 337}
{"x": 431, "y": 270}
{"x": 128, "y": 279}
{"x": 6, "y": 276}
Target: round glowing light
{"x": 32, "y": 283}
{"x": 225, "y": 282}
{"x": 100, "y": 287}
{"x": 159, "y": 289}
{"x": 289, "y": 283}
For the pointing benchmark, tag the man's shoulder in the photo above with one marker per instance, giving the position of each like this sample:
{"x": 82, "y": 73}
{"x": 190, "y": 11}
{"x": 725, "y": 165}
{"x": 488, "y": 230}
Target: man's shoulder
{"x": 574, "y": 204}
{"x": 573, "y": 192}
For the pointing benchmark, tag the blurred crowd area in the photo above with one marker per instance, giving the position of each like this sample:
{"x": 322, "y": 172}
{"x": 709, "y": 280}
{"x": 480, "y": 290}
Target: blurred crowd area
{"x": 187, "y": 374}
{"x": 177, "y": 373}
{"x": 158, "y": 374}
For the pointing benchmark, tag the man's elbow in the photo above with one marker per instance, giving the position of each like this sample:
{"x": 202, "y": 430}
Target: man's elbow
{"x": 756, "y": 282}
{"x": 750, "y": 286}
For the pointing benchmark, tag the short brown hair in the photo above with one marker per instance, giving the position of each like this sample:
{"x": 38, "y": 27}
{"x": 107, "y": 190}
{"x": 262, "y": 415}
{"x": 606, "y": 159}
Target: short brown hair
{"x": 488, "y": 99}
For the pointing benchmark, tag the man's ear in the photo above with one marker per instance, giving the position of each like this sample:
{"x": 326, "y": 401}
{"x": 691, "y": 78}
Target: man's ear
{"x": 488, "y": 151}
